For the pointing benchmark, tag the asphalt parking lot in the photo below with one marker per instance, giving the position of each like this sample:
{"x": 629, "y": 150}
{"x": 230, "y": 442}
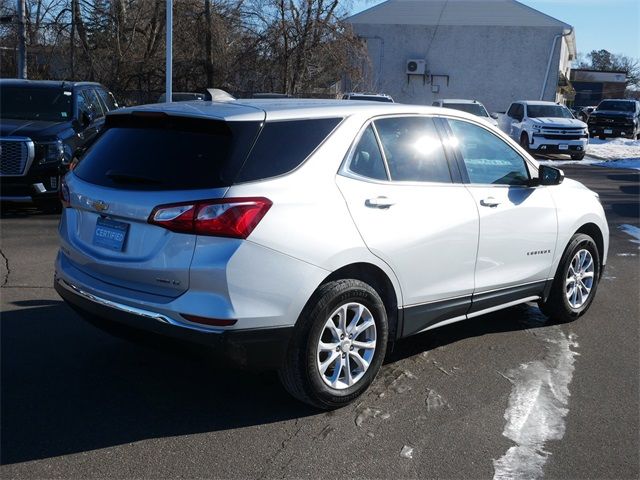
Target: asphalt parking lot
{"x": 77, "y": 403}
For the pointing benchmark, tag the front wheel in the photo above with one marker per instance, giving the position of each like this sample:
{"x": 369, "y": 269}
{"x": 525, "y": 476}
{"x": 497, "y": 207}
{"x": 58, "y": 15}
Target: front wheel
{"x": 577, "y": 156}
{"x": 574, "y": 286}
{"x": 524, "y": 141}
{"x": 338, "y": 345}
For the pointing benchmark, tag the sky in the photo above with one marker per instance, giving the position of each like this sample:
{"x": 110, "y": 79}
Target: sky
{"x": 612, "y": 25}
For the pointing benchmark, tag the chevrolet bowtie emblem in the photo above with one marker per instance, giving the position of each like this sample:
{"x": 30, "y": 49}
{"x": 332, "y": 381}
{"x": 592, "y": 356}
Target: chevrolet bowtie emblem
{"x": 100, "y": 206}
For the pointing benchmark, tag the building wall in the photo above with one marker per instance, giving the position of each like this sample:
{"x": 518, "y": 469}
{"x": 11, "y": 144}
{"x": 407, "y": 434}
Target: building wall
{"x": 495, "y": 65}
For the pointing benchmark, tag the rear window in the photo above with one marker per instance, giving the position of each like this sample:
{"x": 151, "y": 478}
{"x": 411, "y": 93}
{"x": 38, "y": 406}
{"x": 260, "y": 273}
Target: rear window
{"x": 283, "y": 146}
{"x": 472, "y": 108}
{"x": 167, "y": 153}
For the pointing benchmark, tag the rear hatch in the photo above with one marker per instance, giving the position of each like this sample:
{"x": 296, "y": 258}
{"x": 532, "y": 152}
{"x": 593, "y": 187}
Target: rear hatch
{"x": 141, "y": 161}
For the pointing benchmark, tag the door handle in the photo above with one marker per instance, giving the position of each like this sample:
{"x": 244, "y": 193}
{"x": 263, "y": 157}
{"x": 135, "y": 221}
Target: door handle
{"x": 489, "y": 202}
{"x": 378, "y": 202}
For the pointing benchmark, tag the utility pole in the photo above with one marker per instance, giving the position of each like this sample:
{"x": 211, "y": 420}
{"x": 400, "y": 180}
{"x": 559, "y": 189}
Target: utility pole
{"x": 22, "y": 39}
{"x": 169, "y": 73}
{"x": 72, "y": 40}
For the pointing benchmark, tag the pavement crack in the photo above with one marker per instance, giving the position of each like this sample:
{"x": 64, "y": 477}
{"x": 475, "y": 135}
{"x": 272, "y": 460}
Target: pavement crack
{"x": 5, "y": 280}
{"x": 283, "y": 446}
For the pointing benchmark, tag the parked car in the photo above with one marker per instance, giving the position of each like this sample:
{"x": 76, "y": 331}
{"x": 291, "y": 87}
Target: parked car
{"x": 369, "y": 97}
{"x": 307, "y": 237}
{"x": 616, "y": 118}
{"x": 44, "y": 125}
{"x": 272, "y": 95}
{"x": 583, "y": 113}
{"x": 182, "y": 97}
{"x": 545, "y": 127}
{"x": 470, "y": 106}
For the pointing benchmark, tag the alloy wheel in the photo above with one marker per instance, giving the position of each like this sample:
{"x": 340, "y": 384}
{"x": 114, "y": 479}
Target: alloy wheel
{"x": 579, "y": 281}
{"x": 346, "y": 346}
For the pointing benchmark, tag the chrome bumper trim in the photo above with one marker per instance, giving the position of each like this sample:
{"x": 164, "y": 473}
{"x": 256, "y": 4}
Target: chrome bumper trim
{"x": 132, "y": 310}
{"x": 25, "y": 199}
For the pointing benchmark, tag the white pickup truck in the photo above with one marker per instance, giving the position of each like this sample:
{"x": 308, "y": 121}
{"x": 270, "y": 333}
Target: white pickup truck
{"x": 545, "y": 127}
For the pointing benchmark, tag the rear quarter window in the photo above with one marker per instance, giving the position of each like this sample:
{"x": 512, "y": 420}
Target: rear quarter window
{"x": 283, "y": 146}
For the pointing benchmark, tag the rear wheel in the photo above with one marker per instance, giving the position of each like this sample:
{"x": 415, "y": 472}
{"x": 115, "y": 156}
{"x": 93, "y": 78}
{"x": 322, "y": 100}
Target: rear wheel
{"x": 338, "y": 346}
{"x": 574, "y": 286}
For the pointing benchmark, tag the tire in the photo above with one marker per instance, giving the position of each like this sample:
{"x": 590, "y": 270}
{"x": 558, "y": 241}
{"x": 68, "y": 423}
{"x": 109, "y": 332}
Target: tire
{"x": 301, "y": 372}
{"x": 602, "y": 137}
{"x": 577, "y": 156}
{"x": 559, "y": 305}
{"x": 524, "y": 141}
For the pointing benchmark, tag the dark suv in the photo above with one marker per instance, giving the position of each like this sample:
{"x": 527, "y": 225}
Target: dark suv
{"x": 615, "y": 118}
{"x": 44, "y": 125}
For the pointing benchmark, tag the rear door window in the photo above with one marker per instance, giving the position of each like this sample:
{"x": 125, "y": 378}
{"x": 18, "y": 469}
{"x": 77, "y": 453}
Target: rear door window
{"x": 92, "y": 103}
{"x": 413, "y": 149}
{"x": 283, "y": 146}
{"x": 107, "y": 99}
{"x": 167, "y": 153}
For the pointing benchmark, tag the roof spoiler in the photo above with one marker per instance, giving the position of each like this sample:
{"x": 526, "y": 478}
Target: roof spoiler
{"x": 218, "y": 95}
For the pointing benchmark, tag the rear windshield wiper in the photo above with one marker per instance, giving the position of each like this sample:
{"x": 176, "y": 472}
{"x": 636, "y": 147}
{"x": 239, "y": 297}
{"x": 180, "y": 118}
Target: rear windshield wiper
{"x": 127, "y": 178}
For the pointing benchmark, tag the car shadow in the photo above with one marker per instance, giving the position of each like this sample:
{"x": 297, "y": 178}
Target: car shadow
{"x": 69, "y": 388}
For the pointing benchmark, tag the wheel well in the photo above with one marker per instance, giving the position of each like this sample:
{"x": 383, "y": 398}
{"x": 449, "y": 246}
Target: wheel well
{"x": 594, "y": 232}
{"x": 380, "y": 282}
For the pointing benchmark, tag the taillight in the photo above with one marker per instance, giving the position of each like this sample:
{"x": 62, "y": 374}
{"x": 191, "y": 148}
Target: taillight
{"x": 63, "y": 193}
{"x": 227, "y": 217}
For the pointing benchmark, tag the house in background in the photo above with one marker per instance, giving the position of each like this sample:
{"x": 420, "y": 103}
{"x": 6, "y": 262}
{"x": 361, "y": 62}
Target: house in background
{"x": 593, "y": 86}
{"x": 494, "y": 51}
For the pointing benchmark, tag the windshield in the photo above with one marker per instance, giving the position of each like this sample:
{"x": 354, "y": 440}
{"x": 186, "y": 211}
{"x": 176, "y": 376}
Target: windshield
{"x": 33, "y": 103}
{"x": 553, "y": 111}
{"x": 618, "y": 106}
{"x": 473, "y": 108}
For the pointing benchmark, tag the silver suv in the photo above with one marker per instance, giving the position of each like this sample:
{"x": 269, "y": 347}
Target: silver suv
{"x": 306, "y": 236}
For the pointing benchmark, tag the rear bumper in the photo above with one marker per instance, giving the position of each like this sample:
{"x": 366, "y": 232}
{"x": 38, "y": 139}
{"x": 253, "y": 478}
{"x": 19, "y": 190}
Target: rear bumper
{"x": 254, "y": 349}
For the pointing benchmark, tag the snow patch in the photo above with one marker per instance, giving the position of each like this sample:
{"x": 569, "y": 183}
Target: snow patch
{"x": 631, "y": 230}
{"x": 614, "y": 149}
{"x": 537, "y": 406}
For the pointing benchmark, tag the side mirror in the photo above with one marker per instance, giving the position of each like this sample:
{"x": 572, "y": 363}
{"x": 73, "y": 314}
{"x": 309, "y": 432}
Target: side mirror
{"x": 494, "y": 115}
{"x": 549, "y": 175}
{"x": 86, "y": 118}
